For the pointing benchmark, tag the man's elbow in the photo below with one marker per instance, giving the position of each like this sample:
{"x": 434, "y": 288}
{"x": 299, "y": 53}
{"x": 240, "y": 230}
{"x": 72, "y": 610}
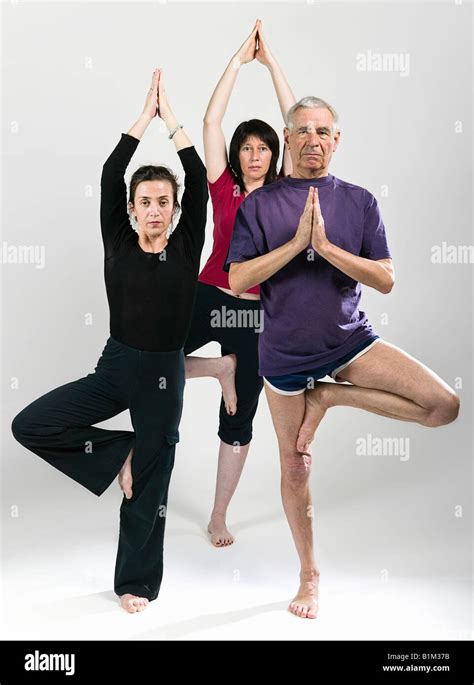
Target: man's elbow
{"x": 235, "y": 286}
{"x": 234, "y": 281}
{"x": 387, "y": 286}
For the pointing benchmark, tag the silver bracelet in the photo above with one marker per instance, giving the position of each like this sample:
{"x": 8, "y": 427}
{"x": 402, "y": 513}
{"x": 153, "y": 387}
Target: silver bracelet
{"x": 174, "y": 130}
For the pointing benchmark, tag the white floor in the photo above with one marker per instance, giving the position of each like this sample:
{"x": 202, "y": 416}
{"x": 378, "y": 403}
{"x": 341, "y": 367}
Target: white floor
{"x": 61, "y": 589}
{"x": 395, "y": 554}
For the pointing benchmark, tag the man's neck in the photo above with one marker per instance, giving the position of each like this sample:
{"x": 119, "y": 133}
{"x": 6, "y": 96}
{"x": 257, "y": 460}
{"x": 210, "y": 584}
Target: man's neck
{"x": 308, "y": 175}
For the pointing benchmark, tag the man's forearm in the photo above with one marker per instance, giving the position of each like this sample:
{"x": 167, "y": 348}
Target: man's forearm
{"x": 245, "y": 275}
{"x": 367, "y": 271}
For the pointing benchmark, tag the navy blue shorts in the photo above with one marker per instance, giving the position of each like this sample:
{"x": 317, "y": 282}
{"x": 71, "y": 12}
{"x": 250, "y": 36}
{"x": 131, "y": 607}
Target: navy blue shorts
{"x": 297, "y": 383}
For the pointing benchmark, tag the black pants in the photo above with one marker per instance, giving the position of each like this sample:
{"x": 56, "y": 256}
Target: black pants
{"x": 59, "y": 428}
{"x": 239, "y": 339}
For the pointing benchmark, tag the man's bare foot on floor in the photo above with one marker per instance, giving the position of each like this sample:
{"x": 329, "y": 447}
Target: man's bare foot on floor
{"x": 305, "y": 604}
{"x": 219, "y": 535}
{"x": 133, "y": 603}
{"x": 226, "y": 377}
{"x": 316, "y": 406}
{"x": 125, "y": 476}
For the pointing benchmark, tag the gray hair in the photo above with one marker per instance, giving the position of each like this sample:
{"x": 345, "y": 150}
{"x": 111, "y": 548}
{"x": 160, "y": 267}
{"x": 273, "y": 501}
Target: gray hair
{"x": 311, "y": 102}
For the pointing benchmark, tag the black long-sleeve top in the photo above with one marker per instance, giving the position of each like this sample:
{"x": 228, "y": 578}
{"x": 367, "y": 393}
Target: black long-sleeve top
{"x": 151, "y": 296}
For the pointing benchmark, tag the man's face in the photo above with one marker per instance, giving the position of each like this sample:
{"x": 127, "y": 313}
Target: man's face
{"x": 311, "y": 142}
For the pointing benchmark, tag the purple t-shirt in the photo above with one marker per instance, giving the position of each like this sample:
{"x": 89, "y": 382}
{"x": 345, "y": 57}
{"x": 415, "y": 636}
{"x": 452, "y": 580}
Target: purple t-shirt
{"x": 310, "y": 308}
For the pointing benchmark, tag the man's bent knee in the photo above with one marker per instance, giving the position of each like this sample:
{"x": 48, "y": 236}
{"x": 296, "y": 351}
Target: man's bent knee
{"x": 445, "y": 411}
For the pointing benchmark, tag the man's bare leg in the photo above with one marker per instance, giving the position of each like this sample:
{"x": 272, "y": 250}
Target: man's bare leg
{"x": 287, "y": 414}
{"x": 386, "y": 381}
{"x": 222, "y": 368}
{"x": 229, "y": 469}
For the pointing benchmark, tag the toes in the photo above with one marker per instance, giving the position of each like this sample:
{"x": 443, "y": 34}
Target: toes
{"x": 139, "y": 603}
{"x": 133, "y": 604}
{"x": 231, "y": 407}
{"x": 303, "y": 442}
{"x": 302, "y": 610}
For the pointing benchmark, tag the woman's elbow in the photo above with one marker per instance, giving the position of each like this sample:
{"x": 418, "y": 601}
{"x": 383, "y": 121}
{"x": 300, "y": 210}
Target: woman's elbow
{"x": 210, "y": 121}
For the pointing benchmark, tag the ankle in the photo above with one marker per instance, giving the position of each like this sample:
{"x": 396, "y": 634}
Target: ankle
{"x": 218, "y": 516}
{"x": 309, "y": 574}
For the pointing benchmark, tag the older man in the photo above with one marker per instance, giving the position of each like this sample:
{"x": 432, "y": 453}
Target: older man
{"x": 310, "y": 240}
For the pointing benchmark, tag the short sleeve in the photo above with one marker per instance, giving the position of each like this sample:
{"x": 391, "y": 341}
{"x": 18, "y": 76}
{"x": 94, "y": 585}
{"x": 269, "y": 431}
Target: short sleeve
{"x": 374, "y": 241}
{"x": 248, "y": 239}
{"x": 223, "y": 187}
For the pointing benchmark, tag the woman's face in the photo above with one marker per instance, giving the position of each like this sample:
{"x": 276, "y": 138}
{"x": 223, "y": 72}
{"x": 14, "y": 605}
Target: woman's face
{"x": 153, "y": 207}
{"x": 255, "y": 157}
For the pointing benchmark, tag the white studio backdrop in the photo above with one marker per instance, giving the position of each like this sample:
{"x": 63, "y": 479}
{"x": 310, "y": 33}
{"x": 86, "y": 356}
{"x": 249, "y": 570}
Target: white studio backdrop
{"x": 74, "y": 76}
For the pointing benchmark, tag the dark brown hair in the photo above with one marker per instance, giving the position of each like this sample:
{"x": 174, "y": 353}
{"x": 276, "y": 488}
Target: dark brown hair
{"x": 154, "y": 173}
{"x": 259, "y": 129}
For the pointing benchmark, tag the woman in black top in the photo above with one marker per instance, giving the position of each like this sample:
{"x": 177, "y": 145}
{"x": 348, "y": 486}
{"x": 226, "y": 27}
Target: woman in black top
{"x": 151, "y": 278}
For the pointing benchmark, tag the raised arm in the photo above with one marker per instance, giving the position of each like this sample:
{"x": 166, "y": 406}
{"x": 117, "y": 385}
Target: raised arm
{"x": 114, "y": 218}
{"x": 194, "y": 201}
{"x": 286, "y": 98}
{"x": 215, "y": 150}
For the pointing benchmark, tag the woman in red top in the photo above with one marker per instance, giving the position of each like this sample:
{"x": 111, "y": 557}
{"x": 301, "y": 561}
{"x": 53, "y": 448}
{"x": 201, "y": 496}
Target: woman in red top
{"x": 219, "y": 314}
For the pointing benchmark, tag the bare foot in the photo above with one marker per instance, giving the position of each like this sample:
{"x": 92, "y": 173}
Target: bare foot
{"x": 125, "y": 476}
{"x": 220, "y": 536}
{"x": 305, "y": 604}
{"x": 226, "y": 377}
{"x": 133, "y": 603}
{"x": 316, "y": 405}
